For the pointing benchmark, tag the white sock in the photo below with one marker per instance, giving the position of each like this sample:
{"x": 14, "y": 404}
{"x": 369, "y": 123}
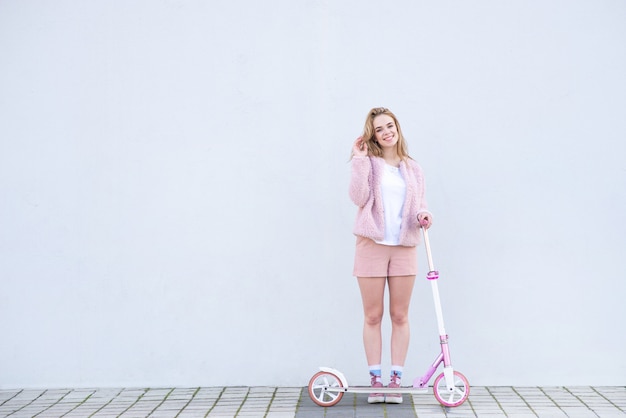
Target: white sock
{"x": 375, "y": 370}
{"x": 397, "y": 370}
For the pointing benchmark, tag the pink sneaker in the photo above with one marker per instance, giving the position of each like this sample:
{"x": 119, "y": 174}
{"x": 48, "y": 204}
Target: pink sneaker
{"x": 394, "y": 397}
{"x": 376, "y": 397}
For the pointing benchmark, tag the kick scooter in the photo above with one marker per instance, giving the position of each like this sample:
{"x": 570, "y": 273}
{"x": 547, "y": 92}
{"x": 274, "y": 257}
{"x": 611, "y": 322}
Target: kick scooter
{"x": 451, "y": 388}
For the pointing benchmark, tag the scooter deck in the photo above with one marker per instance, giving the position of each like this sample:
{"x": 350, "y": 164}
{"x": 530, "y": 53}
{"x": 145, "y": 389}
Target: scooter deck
{"x": 369, "y": 389}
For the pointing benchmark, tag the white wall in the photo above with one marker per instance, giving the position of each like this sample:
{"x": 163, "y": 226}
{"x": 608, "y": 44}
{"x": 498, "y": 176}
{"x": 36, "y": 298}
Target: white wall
{"x": 174, "y": 181}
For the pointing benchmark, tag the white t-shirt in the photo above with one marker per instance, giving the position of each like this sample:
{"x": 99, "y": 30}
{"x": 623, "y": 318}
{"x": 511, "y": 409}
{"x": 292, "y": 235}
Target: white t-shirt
{"x": 394, "y": 192}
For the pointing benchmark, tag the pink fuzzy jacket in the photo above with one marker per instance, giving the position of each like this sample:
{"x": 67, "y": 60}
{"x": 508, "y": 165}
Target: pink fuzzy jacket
{"x": 365, "y": 192}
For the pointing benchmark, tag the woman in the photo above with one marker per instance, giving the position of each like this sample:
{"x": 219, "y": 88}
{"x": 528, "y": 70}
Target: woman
{"x": 388, "y": 188}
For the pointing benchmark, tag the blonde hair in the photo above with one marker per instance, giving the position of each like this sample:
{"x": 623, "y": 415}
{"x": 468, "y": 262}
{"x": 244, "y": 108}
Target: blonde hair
{"x": 369, "y": 136}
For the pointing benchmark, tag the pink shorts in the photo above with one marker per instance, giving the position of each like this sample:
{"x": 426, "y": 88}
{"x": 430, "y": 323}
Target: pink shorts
{"x": 377, "y": 260}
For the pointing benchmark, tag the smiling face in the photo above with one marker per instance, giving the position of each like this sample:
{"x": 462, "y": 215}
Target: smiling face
{"x": 382, "y": 133}
{"x": 385, "y": 131}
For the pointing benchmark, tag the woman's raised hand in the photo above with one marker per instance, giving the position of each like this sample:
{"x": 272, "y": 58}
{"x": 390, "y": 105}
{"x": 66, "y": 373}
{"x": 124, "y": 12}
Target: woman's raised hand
{"x": 359, "y": 149}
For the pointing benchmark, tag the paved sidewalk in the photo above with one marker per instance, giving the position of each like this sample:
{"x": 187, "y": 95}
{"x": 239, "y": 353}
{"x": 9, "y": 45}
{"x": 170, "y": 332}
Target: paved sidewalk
{"x": 280, "y": 402}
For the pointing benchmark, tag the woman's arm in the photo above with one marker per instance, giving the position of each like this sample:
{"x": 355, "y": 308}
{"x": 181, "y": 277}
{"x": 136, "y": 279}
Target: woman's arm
{"x": 360, "y": 180}
{"x": 424, "y": 216}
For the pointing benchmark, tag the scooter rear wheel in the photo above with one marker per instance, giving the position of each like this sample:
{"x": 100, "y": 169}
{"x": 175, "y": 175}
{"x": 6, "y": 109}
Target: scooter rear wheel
{"x": 318, "y": 389}
{"x": 457, "y": 396}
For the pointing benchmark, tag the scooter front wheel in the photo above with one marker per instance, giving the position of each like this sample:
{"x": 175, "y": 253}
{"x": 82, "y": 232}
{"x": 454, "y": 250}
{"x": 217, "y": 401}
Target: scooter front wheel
{"x": 321, "y": 389}
{"x": 455, "y": 397}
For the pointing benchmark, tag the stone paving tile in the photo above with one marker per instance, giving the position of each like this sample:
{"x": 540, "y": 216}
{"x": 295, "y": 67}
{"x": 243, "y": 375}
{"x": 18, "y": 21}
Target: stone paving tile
{"x": 273, "y": 402}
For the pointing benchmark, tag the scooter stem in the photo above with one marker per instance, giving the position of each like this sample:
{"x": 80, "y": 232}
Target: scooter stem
{"x": 428, "y": 253}
{"x": 433, "y": 276}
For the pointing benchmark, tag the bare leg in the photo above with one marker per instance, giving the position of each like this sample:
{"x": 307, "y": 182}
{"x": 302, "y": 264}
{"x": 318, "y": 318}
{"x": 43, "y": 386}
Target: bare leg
{"x": 400, "y": 290}
{"x": 372, "y": 293}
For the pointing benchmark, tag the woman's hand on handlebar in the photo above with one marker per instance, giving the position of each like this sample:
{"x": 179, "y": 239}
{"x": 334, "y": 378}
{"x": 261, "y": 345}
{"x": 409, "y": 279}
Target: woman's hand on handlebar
{"x": 425, "y": 220}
